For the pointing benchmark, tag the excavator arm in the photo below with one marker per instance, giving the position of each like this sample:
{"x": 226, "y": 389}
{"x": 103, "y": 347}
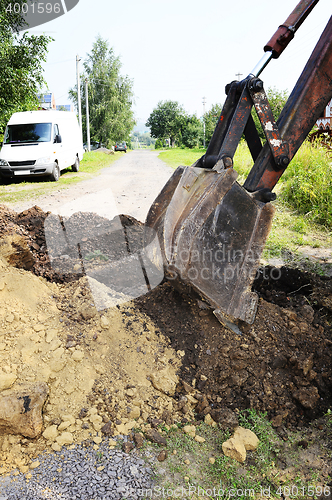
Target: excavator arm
{"x": 210, "y": 230}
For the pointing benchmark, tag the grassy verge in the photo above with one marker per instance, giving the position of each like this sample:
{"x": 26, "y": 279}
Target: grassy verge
{"x": 304, "y": 205}
{"x": 178, "y": 156}
{"x": 277, "y": 469}
{"x": 91, "y": 164}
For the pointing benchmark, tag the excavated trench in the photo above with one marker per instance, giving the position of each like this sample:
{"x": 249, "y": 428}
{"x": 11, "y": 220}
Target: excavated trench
{"x": 281, "y": 364}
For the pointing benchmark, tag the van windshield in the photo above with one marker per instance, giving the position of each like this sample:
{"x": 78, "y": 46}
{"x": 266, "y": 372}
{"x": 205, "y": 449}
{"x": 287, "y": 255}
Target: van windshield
{"x": 28, "y": 132}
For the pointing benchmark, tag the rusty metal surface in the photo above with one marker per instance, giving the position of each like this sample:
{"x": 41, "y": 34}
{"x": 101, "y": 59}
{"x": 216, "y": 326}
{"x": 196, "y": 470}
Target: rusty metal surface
{"x": 279, "y": 147}
{"x": 212, "y": 235}
{"x": 307, "y": 101}
{"x": 285, "y": 32}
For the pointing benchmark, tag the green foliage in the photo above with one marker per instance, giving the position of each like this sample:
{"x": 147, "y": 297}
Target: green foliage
{"x": 110, "y": 96}
{"x": 211, "y": 119}
{"x": 21, "y": 76}
{"x": 159, "y": 144}
{"x": 277, "y": 100}
{"x": 170, "y": 121}
{"x": 191, "y": 132}
{"x": 11, "y": 19}
{"x": 166, "y": 120}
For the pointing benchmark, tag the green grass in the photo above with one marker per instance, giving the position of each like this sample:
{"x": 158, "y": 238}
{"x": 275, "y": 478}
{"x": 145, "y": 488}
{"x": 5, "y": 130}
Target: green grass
{"x": 304, "y": 199}
{"x": 91, "y": 164}
{"x": 189, "y": 466}
{"x": 307, "y": 184}
{"x": 175, "y": 157}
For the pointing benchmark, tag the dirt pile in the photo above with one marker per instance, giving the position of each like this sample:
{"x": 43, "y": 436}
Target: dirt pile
{"x": 161, "y": 357}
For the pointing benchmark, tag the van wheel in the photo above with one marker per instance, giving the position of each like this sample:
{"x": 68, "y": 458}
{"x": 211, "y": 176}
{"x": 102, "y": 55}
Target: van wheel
{"x": 55, "y": 175}
{"x": 76, "y": 166}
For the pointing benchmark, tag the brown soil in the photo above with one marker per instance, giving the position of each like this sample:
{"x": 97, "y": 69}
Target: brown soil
{"x": 139, "y": 357}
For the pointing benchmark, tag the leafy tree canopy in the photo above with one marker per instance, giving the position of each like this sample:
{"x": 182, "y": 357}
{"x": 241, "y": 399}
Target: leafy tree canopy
{"x": 110, "y": 96}
{"x": 21, "y": 56}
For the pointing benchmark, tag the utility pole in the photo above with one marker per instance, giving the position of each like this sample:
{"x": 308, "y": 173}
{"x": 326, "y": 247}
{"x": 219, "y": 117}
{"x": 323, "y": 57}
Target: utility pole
{"x": 204, "y": 102}
{"x": 79, "y": 94}
{"x": 87, "y": 114}
{"x": 238, "y": 75}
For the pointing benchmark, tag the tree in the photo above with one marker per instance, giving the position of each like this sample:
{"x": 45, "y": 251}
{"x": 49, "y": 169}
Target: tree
{"x": 166, "y": 121}
{"x": 211, "y": 118}
{"x": 276, "y": 98}
{"x": 192, "y": 132}
{"x": 110, "y": 96}
{"x": 21, "y": 76}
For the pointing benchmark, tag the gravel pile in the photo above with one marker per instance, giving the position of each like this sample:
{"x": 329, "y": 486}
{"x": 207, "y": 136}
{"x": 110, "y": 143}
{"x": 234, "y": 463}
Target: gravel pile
{"x": 81, "y": 473}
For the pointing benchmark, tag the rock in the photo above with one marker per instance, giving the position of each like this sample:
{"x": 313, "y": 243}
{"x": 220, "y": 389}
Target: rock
{"x": 34, "y": 465}
{"x": 155, "y": 437}
{"x": 135, "y": 412}
{"x": 155, "y": 422}
{"x": 138, "y": 440}
{"x": 164, "y": 382}
{"x": 307, "y": 365}
{"x": 65, "y": 438}
{"x": 21, "y": 410}
{"x": 51, "y": 433}
{"x": 104, "y": 322}
{"x": 6, "y": 380}
{"x": 308, "y": 313}
{"x": 16, "y": 251}
{"x": 127, "y": 447}
{"x": 202, "y": 405}
{"x": 83, "y": 413}
{"x": 291, "y": 315}
{"x": 234, "y": 448}
{"x": 167, "y": 417}
{"x": 208, "y": 420}
{"x": 190, "y": 430}
{"x": 162, "y": 456}
{"x": 78, "y": 355}
{"x": 107, "y": 429}
{"x": 277, "y": 421}
{"x": 199, "y": 439}
{"x": 225, "y": 417}
{"x": 249, "y": 438}
{"x": 307, "y": 396}
{"x": 88, "y": 312}
{"x": 279, "y": 361}
{"x": 188, "y": 388}
{"x": 212, "y": 460}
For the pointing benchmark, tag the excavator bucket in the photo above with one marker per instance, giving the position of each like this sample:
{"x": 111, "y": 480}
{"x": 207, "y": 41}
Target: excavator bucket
{"x": 212, "y": 231}
{"x": 211, "y": 234}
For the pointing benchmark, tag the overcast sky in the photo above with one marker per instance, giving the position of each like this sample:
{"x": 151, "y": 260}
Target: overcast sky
{"x": 180, "y": 50}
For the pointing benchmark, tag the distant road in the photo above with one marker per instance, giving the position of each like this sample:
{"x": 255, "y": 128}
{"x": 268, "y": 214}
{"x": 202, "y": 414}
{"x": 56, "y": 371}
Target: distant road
{"x": 128, "y": 186}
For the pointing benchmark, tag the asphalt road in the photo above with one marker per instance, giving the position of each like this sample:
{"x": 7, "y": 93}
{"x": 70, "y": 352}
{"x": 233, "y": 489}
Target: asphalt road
{"x": 128, "y": 186}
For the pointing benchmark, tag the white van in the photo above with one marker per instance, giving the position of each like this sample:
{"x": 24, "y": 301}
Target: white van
{"x": 41, "y": 143}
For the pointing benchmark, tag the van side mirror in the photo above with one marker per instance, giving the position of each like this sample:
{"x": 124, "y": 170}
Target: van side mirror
{"x": 57, "y": 138}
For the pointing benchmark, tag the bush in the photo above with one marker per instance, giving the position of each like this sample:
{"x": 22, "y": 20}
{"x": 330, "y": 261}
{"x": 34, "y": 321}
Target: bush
{"x": 159, "y": 144}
